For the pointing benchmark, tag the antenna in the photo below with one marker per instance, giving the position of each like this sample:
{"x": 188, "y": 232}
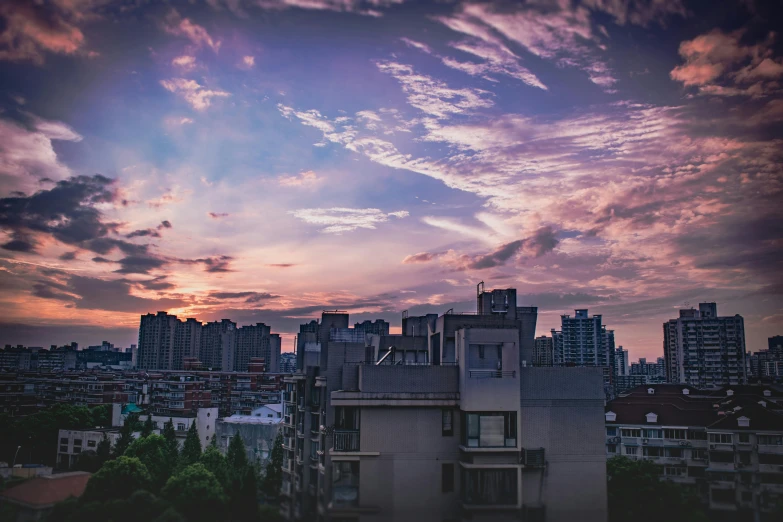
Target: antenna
{"x": 480, "y": 289}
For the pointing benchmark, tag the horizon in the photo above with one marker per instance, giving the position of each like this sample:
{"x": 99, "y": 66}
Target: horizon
{"x": 260, "y": 162}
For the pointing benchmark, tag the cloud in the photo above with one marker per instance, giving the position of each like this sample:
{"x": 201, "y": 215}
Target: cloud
{"x": 184, "y": 62}
{"x": 98, "y": 294}
{"x": 178, "y": 26}
{"x": 68, "y": 256}
{"x": 218, "y": 215}
{"x": 560, "y": 31}
{"x": 338, "y": 220}
{"x": 150, "y": 232}
{"x": 308, "y": 179}
{"x": 247, "y": 297}
{"x": 433, "y": 96}
{"x": 718, "y": 63}
{"x": 248, "y": 62}
{"x": 216, "y": 264}
{"x": 361, "y": 7}
{"x": 197, "y": 96}
{"x": 421, "y": 257}
{"x": 32, "y": 29}
{"x": 27, "y": 155}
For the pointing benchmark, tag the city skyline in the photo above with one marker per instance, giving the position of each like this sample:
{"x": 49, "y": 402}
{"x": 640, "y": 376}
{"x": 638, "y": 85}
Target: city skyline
{"x": 263, "y": 161}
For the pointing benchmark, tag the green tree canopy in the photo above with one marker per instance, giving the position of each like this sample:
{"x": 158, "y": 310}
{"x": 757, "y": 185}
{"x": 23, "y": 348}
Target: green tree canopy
{"x": 273, "y": 478}
{"x": 216, "y": 464}
{"x": 171, "y": 438}
{"x": 148, "y": 427}
{"x": 130, "y": 425}
{"x": 636, "y": 492}
{"x": 117, "y": 479}
{"x": 103, "y": 451}
{"x": 191, "y": 449}
{"x": 196, "y": 493}
{"x": 236, "y": 454}
{"x": 153, "y": 452}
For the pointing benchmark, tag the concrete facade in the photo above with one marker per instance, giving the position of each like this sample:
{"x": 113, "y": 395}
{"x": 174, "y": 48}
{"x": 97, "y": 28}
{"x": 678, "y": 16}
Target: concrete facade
{"x": 448, "y": 421}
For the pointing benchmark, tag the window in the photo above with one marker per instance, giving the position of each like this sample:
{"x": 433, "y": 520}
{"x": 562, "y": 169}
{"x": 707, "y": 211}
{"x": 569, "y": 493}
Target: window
{"x": 64, "y": 449}
{"x": 630, "y": 450}
{"x": 720, "y": 438}
{"x": 77, "y": 442}
{"x": 652, "y": 451}
{"x": 675, "y": 471}
{"x": 698, "y": 454}
{"x": 489, "y": 486}
{"x": 631, "y": 432}
{"x": 651, "y": 434}
{"x": 744, "y": 438}
{"x": 77, "y": 449}
{"x": 63, "y": 440}
{"x": 723, "y": 496}
{"x": 721, "y": 456}
{"x": 697, "y": 435}
{"x": 447, "y": 478}
{"x": 611, "y": 448}
{"x": 91, "y": 443}
{"x": 345, "y": 483}
{"x": 180, "y": 426}
{"x": 770, "y": 458}
{"x": 675, "y": 453}
{"x": 674, "y": 434}
{"x": 491, "y": 430}
{"x": 611, "y": 432}
{"x": 447, "y": 423}
{"x": 771, "y": 440}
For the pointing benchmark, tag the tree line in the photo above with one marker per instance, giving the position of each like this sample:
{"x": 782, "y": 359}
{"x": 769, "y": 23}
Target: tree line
{"x": 150, "y": 478}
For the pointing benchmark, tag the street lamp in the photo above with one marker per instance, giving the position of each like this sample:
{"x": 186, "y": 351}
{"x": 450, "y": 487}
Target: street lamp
{"x": 15, "y": 454}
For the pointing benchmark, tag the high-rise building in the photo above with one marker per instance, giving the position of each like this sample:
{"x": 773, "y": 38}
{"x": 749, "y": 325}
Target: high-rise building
{"x": 257, "y": 341}
{"x": 702, "y": 349}
{"x": 449, "y": 423}
{"x": 219, "y": 345}
{"x": 377, "y": 327}
{"x": 543, "y": 354}
{"x": 156, "y": 341}
{"x": 621, "y": 361}
{"x": 584, "y": 341}
{"x": 766, "y": 363}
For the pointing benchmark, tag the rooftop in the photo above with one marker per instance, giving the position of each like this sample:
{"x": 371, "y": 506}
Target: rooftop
{"x": 42, "y": 492}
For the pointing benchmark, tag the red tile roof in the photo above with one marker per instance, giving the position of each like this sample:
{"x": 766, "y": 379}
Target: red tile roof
{"x": 45, "y": 491}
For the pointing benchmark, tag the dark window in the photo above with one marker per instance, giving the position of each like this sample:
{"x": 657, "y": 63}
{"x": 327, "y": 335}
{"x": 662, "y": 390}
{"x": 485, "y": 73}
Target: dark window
{"x": 489, "y": 487}
{"x": 447, "y": 478}
{"x": 490, "y": 429}
{"x": 723, "y": 496}
{"x": 63, "y": 441}
{"x": 91, "y": 443}
{"x": 77, "y": 442}
{"x": 447, "y": 423}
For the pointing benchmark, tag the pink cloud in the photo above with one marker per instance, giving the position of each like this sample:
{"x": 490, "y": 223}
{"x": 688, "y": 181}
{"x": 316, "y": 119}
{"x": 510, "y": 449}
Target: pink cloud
{"x": 178, "y": 26}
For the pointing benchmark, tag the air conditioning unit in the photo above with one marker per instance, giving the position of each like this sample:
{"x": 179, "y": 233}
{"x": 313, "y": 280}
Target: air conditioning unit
{"x": 685, "y": 443}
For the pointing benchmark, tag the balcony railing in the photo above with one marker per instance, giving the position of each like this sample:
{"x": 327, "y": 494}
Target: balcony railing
{"x": 346, "y": 440}
{"x": 491, "y": 374}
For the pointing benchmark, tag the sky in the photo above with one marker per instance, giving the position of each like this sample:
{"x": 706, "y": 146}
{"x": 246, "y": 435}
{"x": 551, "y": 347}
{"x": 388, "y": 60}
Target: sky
{"x": 263, "y": 160}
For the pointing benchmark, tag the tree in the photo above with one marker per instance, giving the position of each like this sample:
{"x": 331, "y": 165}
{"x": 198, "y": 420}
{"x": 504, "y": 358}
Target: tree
{"x": 103, "y": 451}
{"x": 216, "y": 464}
{"x": 636, "y": 492}
{"x": 101, "y": 415}
{"x": 237, "y": 455}
{"x": 148, "y": 427}
{"x": 273, "y": 479}
{"x": 117, "y": 479}
{"x": 245, "y": 500}
{"x": 126, "y": 434}
{"x": 196, "y": 493}
{"x": 171, "y": 439}
{"x": 191, "y": 449}
{"x": 153, "y": 453}
{"x": 88, "y": 461}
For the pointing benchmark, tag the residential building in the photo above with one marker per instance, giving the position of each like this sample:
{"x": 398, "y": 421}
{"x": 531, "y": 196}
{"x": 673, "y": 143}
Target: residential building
{"x": 218, "y": 345}
{"x": 725, "y": 444}
{"x": 656, "y": 371}
{"x": 766, "y": 365}
{"x": 446, "y": 421}
{"x": 287, "y": 362}
{"x": 258, "y": 430}
{"x": 257, "y": 341}
{"x": 377, "y": 327}
{"x": 156, "y": 341}
{"x": 72, "y": 443}
{"x": 621, "y": 361}
{"x": 178, "y": 395}
{"x": 543, "y": 354}
{"x": 584, "y": 341}
{"x": 703, "y": 349}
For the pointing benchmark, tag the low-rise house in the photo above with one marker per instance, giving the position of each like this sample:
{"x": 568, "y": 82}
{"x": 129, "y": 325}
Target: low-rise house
{"x": 33, "y": 499}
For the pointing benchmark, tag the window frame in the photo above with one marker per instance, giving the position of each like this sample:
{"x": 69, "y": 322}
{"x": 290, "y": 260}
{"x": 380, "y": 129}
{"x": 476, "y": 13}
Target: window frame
{"x": 447, "y": 422}
{"x": 447, "y": 475}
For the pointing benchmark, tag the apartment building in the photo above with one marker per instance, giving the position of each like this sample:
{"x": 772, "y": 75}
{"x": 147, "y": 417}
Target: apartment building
{"x": 543, "y": 354}
{"x": 621, "y": 362}
{"x": 767, "y": 365}
{"x": 703, "y": 349}
{"x": 178, "y": 395}
{"x": 254, "y": 342}
{"x": 447, "y": 421}
{"x": 584, "y": 341}
{"x": 725, "y": 444}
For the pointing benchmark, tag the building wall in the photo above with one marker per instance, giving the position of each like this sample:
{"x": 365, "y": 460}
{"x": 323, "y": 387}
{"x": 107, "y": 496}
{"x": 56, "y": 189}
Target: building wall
{"x": 259, "y": 438}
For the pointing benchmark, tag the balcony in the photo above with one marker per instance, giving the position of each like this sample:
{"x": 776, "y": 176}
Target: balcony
{"x": 491, "y": 374}
{"x": 346, "y": 440}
